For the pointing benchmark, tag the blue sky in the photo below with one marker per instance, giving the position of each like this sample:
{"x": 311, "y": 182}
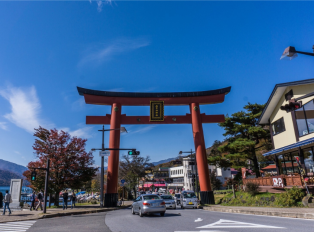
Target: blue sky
{"x": 49, "y": 48}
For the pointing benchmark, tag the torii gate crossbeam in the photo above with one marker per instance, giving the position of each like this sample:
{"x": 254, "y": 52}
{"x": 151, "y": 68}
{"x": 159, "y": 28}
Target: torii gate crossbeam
{"x": 119, "y": 99}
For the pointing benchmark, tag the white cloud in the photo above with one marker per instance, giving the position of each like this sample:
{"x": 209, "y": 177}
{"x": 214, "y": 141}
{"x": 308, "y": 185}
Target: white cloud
{"x": 102, "y": 54}
{"x": 25, "y": 107}
{"x": 3, "y": 125}
{"x": 82, "y": 132}
{"x": 142, "y": 129}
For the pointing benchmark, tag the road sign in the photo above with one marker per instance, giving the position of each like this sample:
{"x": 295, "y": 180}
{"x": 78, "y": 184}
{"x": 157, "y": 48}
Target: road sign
{"x": 104, "y": 153}
{"x": 122, "y": 181}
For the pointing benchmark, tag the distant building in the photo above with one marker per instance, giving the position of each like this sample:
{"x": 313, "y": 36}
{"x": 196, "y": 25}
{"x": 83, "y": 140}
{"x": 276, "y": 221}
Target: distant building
{"x": 182, "y": 176}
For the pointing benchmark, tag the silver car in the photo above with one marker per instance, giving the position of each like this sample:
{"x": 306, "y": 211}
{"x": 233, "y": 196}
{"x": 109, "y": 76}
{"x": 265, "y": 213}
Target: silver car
{"x": 188, "y": 199}
{"x": 170, "y": 202}
{"x": 148, "y": 203}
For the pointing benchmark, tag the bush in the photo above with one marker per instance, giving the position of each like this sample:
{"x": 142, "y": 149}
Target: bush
{"x": 251, "y": 188}
{"x": 291, "y": 197}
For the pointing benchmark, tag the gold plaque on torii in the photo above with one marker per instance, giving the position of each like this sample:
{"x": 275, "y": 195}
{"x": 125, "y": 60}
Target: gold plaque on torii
{"x": 156, "y": 111}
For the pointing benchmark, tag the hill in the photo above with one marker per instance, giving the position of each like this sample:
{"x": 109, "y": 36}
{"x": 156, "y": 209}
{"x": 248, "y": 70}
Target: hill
{"x": 9, "y": 170}
{"x": 163, "y": 161}
{"x": 12, "y": 167}
{"x": 6, "y": 176}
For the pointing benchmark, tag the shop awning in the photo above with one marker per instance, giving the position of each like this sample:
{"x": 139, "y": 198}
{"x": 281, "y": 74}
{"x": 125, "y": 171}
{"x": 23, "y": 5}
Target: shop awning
{"x": 289, "y": 147}
{"x": 156, "y": 185}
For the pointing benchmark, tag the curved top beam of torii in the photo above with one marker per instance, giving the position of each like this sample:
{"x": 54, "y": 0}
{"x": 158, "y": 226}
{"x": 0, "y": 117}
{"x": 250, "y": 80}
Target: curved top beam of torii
{"x": 143, "y": 99}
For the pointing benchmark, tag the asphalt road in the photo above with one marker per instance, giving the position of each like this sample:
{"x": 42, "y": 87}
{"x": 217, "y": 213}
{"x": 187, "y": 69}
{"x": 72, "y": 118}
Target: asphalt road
{"x": 174, "y": 220}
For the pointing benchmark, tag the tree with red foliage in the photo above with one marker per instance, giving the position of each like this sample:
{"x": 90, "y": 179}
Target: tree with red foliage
{"x": 70, "y": 165}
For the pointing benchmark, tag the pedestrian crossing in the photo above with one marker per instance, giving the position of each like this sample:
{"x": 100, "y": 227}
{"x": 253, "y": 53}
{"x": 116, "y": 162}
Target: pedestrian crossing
{"x": 16, "y": 226}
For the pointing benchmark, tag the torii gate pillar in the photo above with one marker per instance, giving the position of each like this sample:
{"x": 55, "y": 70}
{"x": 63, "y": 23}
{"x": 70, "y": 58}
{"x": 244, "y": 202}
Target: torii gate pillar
{"x": 111, "y": 196}
{"x": 206, "y": 192}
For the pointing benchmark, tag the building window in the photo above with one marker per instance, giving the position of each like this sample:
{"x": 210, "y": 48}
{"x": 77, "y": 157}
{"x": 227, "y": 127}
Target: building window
{"x": 278, "y": 126}
{"x": 305, "y": 119}
{"x": 308, "y": 161}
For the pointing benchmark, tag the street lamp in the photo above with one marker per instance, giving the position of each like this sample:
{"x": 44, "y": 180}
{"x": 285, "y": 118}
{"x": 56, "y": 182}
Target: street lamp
{"x": 102, "y": 172}
{"x": 290, "y": 53}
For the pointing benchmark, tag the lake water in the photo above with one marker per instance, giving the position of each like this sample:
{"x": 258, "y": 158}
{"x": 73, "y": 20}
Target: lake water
{"x": 24, "y": 189}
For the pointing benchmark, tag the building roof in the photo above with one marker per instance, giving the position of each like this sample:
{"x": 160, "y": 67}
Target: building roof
{"x": 272, "y": 166}
{"x": 83, "y": 91}
{"x": 289, "y": 147}
{"x": 275, "y": 97}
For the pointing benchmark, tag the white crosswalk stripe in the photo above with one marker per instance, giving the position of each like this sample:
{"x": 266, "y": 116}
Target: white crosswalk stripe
{"x": 16, "y": 226}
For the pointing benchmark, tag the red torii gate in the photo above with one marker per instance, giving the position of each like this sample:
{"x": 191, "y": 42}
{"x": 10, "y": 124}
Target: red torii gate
{"x": 119, "y": 99}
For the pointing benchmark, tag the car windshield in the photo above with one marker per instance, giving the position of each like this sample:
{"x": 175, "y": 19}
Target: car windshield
{"x": 151, "y": 197}
{"x": 189, "y": 195}
{"x": 166, "y": 197}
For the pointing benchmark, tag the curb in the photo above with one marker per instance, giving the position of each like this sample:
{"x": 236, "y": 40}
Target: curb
{"x": 81, "y": 212}
{"x": 68, "y": 214}
{"x": 265, "y": 213}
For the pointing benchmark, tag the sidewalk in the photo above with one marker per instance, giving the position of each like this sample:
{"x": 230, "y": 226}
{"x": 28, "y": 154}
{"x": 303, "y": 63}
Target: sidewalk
{"x": 305, "y": 213}
{"x": 26, "y": 214}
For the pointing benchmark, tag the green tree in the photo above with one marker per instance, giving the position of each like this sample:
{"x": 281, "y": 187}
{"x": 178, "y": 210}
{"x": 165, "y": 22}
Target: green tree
{"x": 216, "y": 157}
{"x": 214, "y": 181}
{"x": 132, "y": 168}
{"x": 245, "y": 137}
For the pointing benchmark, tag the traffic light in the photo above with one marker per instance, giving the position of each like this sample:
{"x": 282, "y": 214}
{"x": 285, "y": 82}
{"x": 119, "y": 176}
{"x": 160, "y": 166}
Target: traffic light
{"x": 133, "y": 152}
{"x": 193, "y": 179}
{"x": 33, "y": 176}
{"x": 293, "y": 105}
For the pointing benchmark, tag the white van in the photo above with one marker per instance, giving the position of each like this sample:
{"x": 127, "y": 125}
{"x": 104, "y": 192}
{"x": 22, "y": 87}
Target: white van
{"x": 188, "y": 199}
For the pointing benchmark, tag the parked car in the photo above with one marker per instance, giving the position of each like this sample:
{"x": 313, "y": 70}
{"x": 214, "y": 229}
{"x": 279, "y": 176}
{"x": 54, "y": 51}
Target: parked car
{"x": 170, "y": 202}
{"x": 177, "y": 198}
{"x": 188, "y": 199}
{"x": 148, "y": 203}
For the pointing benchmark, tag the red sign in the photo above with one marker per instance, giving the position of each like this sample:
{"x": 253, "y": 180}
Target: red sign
{"x": 243, "y": 173}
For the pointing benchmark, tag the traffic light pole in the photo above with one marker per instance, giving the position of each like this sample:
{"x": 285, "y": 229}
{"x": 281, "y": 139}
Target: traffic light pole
{"x": 46, "y": 183}
{"x": 46, "y": 186}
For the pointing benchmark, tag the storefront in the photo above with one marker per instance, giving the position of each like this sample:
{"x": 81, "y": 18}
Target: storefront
{"x": 289, "y": 115}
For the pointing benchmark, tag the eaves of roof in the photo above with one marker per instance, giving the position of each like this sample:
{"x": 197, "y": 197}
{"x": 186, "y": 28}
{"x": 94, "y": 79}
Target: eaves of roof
{"x": 275, "y": 97}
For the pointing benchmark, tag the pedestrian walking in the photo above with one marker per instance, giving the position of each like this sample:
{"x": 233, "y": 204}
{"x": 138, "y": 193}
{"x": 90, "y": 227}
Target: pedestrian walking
{"x": 65, "y": 199}
{"x": 73, "y": 199}
{"x": 40, "y": 201}
{"x": 33, "y": 198}
{"x": 7, "y": 200}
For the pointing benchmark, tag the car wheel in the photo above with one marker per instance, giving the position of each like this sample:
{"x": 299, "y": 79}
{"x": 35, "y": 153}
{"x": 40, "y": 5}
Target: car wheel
{"x": 140, "y": 213}
{"x": 133, "y": 211}
{"x": 162, "y": 214}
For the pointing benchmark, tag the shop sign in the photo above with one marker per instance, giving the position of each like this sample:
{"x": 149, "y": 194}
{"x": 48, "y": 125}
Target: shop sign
{"x": 278, "y": 182}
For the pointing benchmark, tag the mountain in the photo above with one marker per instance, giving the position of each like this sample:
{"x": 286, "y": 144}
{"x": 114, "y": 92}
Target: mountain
{"x": 163, "y": 161}
{"x": 12, "y": 167}
{"x": 6, "y": 176}
{"x": 9, "y": 170}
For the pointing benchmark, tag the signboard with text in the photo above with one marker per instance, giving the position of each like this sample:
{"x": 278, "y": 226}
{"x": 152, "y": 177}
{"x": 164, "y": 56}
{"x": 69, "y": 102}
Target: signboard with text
{"x": 156, "y": 111}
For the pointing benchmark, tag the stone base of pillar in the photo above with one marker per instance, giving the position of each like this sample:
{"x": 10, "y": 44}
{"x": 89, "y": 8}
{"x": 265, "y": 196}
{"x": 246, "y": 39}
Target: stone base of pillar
{"x": 111, "y": 199}
{"x": 207, "y": 197}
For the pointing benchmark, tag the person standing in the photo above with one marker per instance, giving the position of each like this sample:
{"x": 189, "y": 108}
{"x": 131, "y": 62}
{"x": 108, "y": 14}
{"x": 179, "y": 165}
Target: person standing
{"x": 7, "y": 200}
{"x": 33, "y": 198}
{"x": 73, "y": 199}
{"x": 65, "y": 199}
{"x": 40, "y": 201}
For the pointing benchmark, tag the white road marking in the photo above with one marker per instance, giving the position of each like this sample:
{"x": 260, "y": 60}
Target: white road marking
{"x": 234, "y": 224}
{"x": 16, "y": 226}
{"x": 198, "y": 220}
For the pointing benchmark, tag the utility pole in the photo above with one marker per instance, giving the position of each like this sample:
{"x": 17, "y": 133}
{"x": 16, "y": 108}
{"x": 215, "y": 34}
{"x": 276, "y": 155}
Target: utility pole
{"x": 102, "y": 171}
